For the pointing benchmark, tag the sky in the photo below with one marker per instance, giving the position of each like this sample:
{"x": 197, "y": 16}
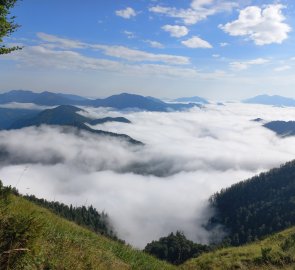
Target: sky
{"x": 218, "y": 49}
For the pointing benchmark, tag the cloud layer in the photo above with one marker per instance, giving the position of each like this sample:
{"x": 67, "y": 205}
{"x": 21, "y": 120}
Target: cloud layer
{"x": 152, "y": 190}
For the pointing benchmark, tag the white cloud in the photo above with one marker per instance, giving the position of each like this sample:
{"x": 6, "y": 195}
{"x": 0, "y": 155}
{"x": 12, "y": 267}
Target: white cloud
{"x": 61, "y": 42}
{"x": 262, "y": 25}
{"x": 196, "y": 42}
{"x": 126, "y": 13}
{"x": 42, "y": 57}
{"x": 243, "y": 65}
{"x": 139, "y": 56}
{"x": 198, "y": 11}
{"x": 129, "y": 34}
{"x": 176, "y": 30}
{"x": 200, "y": 3}
{"x": 282, "y": 68}
{"x": 114, "y": 51}
{"x": 122, "y": 181}
{"x": 223, "y": 44}
{"x": 155, "y": 44}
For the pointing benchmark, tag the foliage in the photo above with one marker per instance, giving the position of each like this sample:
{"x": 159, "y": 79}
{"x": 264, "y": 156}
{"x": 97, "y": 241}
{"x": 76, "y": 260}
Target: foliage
{"x": 42, "y": 240}
{"x": 88, "y": 217}
{"x": 7, "y": 24}
{"x": 175, "y": 248}
{"x": 16, "y": 232}
{"x": 257, "y": 207}
{"x": 273, "y": 253}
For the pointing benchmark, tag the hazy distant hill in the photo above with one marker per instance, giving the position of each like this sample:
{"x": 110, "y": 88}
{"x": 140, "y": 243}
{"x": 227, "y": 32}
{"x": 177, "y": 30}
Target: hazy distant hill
{"x": 122, "y": 101}
{"x": 10, "y": 116}
{"x": 44, "y": 98}
{"x": 131, "y": 101}
{"x": 67, "y": 115}
{"x": 271, "y": 100}
{"x": 282, "y": 128}
{"x": 195, "y": 99}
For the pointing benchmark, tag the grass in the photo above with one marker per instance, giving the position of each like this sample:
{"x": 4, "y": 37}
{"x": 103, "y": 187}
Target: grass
{"x": 33, "y": 238}
{"x": 274, "y": 252}
{"x": 55, "y": 243}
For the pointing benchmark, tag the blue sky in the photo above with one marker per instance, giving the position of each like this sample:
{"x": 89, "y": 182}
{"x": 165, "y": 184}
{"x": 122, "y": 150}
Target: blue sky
{"x": 213, "y": 48}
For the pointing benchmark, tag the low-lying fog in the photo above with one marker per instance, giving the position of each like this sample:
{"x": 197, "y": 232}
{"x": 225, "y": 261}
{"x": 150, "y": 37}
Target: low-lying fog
{"x": 152, "y": 190}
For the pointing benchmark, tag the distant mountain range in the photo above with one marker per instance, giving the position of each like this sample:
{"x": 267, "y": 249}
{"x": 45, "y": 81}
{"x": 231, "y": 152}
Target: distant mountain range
{"x": 65, "y": 116}
{"x": 195, "y": 99}
{"x": 271, "y": 100}
{"x": 121, "y": 102}
{"x": 44, "y": 98}
{"x": 282, "y": 128}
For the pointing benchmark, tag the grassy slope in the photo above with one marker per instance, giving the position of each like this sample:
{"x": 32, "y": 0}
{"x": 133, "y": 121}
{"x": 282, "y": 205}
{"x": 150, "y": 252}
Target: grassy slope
{"x": 59, "y": 244}
{"x": 281, "y": 255}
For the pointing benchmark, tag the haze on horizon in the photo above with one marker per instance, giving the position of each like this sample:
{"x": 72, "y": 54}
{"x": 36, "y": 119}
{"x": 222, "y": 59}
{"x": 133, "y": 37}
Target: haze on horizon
{"x": 218, "y": 49}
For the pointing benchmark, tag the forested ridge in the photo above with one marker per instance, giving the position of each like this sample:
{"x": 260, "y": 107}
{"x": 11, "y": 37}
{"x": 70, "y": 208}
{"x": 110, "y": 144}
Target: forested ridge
{"x": 257, "y": 207}
{"x": 175, "y": 248}
{"x": 88, "y": 217}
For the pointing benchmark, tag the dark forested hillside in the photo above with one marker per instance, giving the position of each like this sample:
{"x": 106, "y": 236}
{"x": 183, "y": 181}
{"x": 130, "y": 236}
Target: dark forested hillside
{"x": 175, "y": 248}
{"x": 257, "y": 207}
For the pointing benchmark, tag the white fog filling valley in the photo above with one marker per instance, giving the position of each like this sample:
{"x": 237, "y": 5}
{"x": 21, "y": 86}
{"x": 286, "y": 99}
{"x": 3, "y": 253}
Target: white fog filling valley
{"x": 148, "y": 191}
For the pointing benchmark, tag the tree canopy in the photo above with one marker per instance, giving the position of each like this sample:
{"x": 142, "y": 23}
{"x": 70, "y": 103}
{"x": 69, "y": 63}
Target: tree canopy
{"x": 260, "y": 206}
{"x": 7, "y": 25}
{"x": 175, "y": 248}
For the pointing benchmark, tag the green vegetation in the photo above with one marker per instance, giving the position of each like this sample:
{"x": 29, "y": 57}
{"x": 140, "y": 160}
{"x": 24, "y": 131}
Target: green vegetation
{"x": 257, "y": 207}
{"x": 274, "y": 252}
{"x": 175, "y": 248}
{"x": 32, "y": 237}
{"x": 7, "y": 24}
{"x": 85, "y": 216}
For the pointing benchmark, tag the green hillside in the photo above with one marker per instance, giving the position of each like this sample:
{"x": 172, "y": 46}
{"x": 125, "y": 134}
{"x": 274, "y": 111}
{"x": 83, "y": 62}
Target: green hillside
{"x": 260, "y": 206}
{"x": 32, "y": 237}
{"x": 274, "y": 252}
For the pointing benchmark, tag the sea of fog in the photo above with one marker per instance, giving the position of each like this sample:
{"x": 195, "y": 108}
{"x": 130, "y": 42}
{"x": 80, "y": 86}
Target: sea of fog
{"x": 151, "y": 190}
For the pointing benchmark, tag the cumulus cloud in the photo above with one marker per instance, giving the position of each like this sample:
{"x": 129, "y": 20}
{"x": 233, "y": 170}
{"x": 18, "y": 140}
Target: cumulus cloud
{"x": 176, "y": 30}
{"x": 126, "y": 13}
{"x": 243, "y": 65}
{"x": 199, "y": 10}
{"x": 197, "y": 42}
{"x": 262, "y": 25}
{"x": 152, "y": 190}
